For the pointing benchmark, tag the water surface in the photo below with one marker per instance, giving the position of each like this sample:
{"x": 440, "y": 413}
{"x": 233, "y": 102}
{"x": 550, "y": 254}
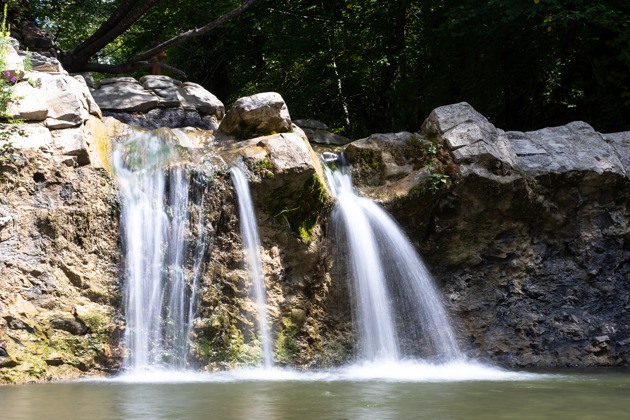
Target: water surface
{"x": 340, "y": 394}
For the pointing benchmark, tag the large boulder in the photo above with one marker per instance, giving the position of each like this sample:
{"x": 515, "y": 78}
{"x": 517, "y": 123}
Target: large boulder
{"x": 260, "y": 114}
{"x": 203, "y": 101}
{"x": 158, "y": 101}
{"x": 124, "y": 94}
{"x": 65, "y": 98}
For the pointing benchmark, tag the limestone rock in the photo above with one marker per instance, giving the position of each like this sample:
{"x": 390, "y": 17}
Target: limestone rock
{"x": 262, "y": 114}
{"x": 117, "y": 80}
{"x": 470, "y": 137}
{"x": 124, "y": 94}
{"x": 386, "y": 157}
{"x": 73, "y": 326}
{"x": 72, "y": 142}
{"x": 99, "y": 143}
{"x": 65, "y": 99}
{"x": 93, "y": 107}
{"x": 28, "y": 106}
{"x": 574, "y": 147}
{"x": 166, "y": 117}
{"x": 621, "y": 143}
{"x": 158, "y": 101}
{"x": 202, "y": 100}
{"x": 286, "y": 152}
{"x": 35, "y": 136}
{"x": 42, "y": 63}
{"x": 59, "y": 217}
{"x": 158, "y": 82}
{"x": 312, "y": 124}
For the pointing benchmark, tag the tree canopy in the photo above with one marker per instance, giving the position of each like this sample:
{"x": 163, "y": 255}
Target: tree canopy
{"x": 364, "y": 66}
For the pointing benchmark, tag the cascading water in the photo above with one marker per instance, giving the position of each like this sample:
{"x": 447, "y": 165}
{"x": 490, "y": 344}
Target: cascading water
{"x": 251, "y": 249}
{"x": 396, "y": 299}
{"x": 159, "y": 301}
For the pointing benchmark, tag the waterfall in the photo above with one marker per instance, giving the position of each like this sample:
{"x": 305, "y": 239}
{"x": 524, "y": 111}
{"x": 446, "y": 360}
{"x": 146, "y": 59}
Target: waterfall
{"x": 251, "y": 250}
{"x": 395, "y": 298}
{"x": 159, "y": 296}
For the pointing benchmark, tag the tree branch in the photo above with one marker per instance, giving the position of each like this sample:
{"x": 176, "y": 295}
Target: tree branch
{"x": 123, "y": 24}
{"x": 75, "y": 60}
{"x": 120, "y": 12}
{"x": 128, "y": 67}
{"x": 193, "y": 32}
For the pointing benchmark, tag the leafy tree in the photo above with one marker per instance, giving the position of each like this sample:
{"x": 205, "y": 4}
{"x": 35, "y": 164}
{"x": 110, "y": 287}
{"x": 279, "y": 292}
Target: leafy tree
{"x": 368, "y": 65}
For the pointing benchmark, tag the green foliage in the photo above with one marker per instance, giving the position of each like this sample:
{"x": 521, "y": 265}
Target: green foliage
{"x": 286, "y": 344}
{"x": 7, "y": 82}
{"x": 12, "y": 127}
{"x": 523, "y": 63}
{"x": 438, "y": 181}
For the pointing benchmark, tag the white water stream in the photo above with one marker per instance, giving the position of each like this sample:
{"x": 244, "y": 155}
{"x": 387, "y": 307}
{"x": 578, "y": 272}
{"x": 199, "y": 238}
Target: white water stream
{"x": 159, "y": 305}
{"x": 251, "y": 250}
{"x": 382, "y": 258}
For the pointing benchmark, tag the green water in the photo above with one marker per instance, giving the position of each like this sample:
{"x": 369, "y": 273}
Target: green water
{"x": 561, "y": 395}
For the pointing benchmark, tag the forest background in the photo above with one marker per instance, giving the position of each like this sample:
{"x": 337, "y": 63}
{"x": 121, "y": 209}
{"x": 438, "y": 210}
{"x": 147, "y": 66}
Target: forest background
{"x": 365, "y": 66}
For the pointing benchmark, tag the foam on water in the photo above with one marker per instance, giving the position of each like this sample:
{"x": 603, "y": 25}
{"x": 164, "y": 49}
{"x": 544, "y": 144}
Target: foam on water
{"x": 373, "y": 371}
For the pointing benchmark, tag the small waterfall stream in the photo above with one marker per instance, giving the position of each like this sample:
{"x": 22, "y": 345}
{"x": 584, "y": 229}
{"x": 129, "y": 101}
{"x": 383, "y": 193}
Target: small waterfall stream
{"x": 381, "y": 256}
{"x": 160, "y": 296}
{"x": 251, "y": 249}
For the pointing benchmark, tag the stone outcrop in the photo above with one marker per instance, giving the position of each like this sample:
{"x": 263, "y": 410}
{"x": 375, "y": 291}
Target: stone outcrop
{"x": 158, "y": 101}
{"x": 319, "y": 133}
{"x": 59, "y": 257}
{"x": 260, "y": 114}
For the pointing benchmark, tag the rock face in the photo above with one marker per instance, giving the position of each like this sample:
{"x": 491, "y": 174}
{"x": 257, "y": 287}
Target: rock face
{"x": 260, "y": 114}
{"x": 527, "y": 238}
{"x": 158, "y": 101}
{"x": 59, "y": 265}
{"x": 59, "y": 257}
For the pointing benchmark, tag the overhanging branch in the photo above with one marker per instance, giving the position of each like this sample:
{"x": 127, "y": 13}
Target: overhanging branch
{"x": 128, "y": 67}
